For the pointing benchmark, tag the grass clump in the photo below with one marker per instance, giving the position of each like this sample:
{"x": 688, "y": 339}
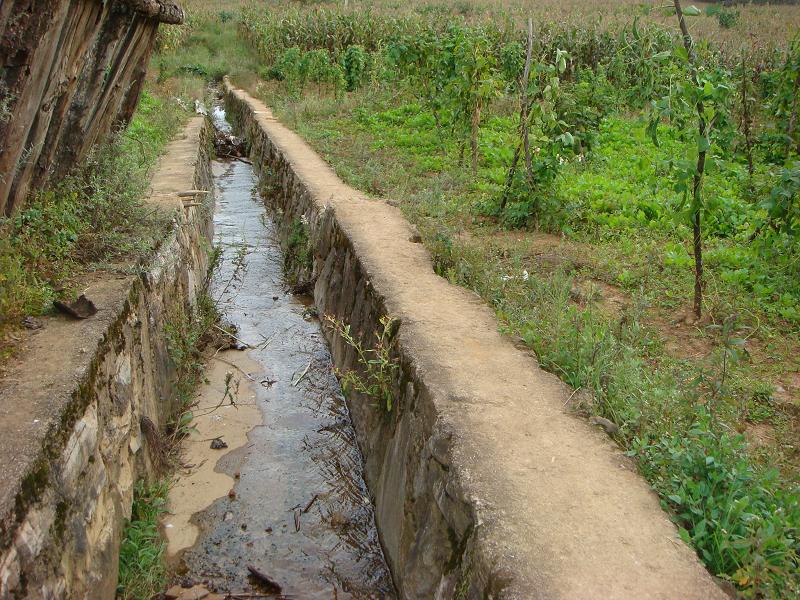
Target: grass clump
{"x": 298, "y": 246}
{"x": 93, "y": 219}
{"x": 189, "y": 331}
{"x": 142, "y": 571}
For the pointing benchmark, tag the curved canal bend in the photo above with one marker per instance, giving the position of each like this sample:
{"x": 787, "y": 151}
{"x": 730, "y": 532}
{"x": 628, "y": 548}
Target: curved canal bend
{"x": 287, "y": 499}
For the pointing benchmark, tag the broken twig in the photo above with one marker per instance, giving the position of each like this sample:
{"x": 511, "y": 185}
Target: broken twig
{"x": 303, "y": 374}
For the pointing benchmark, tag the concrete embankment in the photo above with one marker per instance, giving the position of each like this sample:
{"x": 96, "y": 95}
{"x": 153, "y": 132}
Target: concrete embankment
{"x": 484, "y": 486}
{"x": 83, "y": 404}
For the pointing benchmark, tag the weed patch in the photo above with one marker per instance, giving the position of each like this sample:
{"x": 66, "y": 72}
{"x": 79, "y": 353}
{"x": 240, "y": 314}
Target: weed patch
{"x": 298, "y": 257}
{"x": 378, "y": 366}
{"x": 189, "y": 332}
{"x": 298, "y": 245}
{"x": 94, "y": 219}
{"x": 142, "y": 571}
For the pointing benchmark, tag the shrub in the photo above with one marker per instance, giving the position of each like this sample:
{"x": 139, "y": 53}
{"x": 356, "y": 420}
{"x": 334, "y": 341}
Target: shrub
{"x": 355, "y": 62}
{"x": 742, "y": 521}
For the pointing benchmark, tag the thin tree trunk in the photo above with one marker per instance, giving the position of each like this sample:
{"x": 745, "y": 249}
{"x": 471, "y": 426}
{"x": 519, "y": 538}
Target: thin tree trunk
{"x": 697, "y": 182}
{"x": 698, "y": 260}
{"x": 510, "y": 179}
{"x": 525, "y": 108}
{"x": 746, "y": 120}
{"x": 687, "y": 38}
{"x": 473, "y": 141}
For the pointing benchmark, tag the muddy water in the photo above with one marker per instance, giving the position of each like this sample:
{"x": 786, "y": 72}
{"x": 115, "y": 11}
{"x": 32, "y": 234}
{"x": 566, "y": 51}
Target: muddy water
{"x": 289, "y": 500}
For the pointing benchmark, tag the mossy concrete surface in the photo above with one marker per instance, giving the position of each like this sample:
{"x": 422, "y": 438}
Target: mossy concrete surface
{"x": 73, "y": 403}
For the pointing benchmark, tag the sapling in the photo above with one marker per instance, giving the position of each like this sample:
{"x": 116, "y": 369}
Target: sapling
{"x": 539, "y": 92}
{"x": 705, "y": 93}
{"x": 474, "y": 83}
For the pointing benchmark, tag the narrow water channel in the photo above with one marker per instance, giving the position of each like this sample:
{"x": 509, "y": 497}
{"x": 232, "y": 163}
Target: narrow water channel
{"x": 287, "y": 501}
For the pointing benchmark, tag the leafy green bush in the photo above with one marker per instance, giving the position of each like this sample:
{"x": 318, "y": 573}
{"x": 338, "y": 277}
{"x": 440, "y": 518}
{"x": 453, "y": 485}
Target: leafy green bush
{"x": 728, "y": 17}
{"x": 355, "y": 62}
{"x": 742, "y": 520}
{"x": 320, "y": 68}
{"x": 290, "y": 68}
{"x": 783, "y": 203}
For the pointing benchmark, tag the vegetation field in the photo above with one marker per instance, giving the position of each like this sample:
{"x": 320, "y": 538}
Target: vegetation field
{"x": 627, "y": 200}
{"x": 566, "y": 189}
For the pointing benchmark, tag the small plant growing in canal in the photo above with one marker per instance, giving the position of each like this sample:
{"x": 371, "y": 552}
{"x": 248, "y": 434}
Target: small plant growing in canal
{"x": 185, "y": 332}
{"x": 298, "y": 246}
{"x": 188, "y": 331}
{"x": 379, "y": 366}
{"x": 298, "y": 258}
{"x": 142, "y": 571}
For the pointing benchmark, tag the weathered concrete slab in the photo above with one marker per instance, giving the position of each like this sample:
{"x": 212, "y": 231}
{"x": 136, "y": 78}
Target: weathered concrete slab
{"x": 72, "y": 407}
{"x": 484, "y": 486}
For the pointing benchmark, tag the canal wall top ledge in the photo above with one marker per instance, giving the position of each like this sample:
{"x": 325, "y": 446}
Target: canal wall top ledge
{"x": 484, "y": 485}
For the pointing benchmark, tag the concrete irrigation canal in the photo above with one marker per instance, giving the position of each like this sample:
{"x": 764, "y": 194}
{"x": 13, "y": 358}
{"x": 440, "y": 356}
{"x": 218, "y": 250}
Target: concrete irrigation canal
{"x": 290, "y": 502}
{"x": 458, "y": 474}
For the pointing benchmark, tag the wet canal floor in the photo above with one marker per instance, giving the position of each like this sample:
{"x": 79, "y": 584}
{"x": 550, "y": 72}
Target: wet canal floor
{"x": 285, "y": 499}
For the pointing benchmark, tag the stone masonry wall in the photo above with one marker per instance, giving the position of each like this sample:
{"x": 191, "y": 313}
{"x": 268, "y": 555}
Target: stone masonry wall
{"x": 65, "y": 497}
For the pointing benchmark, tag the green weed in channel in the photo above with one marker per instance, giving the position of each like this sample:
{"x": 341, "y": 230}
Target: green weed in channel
{"x": 142, "y": 570}
{"x": 378, "y": 368}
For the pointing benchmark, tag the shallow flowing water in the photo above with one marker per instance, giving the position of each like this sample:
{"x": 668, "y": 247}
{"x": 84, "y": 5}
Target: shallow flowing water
{"x": 288, "y": 501}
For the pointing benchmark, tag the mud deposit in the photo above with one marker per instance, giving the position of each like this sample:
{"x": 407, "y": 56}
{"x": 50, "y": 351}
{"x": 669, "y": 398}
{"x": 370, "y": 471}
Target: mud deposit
{"x": 289, "y": 501}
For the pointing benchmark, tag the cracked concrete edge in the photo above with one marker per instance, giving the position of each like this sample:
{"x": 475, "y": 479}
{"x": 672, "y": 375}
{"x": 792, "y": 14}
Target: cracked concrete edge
{"x": 527, "y": 501}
